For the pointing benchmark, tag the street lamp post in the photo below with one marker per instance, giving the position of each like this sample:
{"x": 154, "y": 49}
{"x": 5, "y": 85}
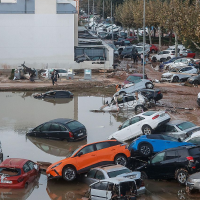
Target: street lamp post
{"x": 112, "y": 20}
{"x": 143, "y": 38}
{"x": 88, "y": 12}
{"x": 93, "y": 15}
{"x": 103, "y": 9}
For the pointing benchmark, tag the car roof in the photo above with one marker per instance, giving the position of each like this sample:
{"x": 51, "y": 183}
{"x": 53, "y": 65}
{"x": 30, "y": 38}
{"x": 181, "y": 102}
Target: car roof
{"x": 182, "y": 147}
{"x": 174, "y": 122}
{"x": 61, "y": 120}
{"x": 13, "y": 162}
{"x": 110, "y": 168}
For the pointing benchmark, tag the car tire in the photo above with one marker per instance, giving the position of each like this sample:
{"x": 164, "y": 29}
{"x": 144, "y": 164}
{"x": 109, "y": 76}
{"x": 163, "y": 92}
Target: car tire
{"x": 139, "y": 109}
{"x": 149, "y": 85}
{"x": 122, "y": 93}
{"x": 168, "y": 58}
{"x": 143, "y": 175}
{"x": 181, "y": 176}
{"x": 120, "y": 160}
{"x": 145, "y": 149}
{"x": 147, "y": 130}
{"x": 69, "y": 173}
{"x": 175, "y": 79}
{"x": 196, "y": 82}
{"x": 154, "y": 59}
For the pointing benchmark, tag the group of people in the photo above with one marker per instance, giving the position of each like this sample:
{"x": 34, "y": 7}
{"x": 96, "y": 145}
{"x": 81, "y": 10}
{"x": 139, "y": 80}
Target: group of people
{"x": 54, "y": 77}
{"x": 136, "y": 56}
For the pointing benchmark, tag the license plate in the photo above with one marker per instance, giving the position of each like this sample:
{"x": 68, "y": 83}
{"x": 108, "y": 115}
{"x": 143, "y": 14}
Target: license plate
{"x": 80, "y": 134}
{"x": 162, "y": 115}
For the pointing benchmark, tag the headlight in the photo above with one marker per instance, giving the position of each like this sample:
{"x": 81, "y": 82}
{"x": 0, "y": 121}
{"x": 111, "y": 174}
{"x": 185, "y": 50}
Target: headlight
{"x": 131, "y": 177}
{"x": 56, "y": 165}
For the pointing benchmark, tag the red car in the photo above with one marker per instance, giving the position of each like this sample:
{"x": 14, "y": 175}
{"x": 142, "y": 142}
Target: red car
{"x": 131, "y": 38}
{"x": 153, "y": 49}
{"x": 17, "y": 173}
{"x": 190, "y": 54}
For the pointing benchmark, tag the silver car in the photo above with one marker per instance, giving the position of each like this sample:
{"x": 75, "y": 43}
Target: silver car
{"x": 137, "y": 85}
{"x": 193, "y": 182}
{"x": 111, "y": 171}
{"x": 178, "y": 129}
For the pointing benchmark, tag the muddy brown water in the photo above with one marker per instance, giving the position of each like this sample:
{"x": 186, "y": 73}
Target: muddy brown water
{"x": 19, "y": 112}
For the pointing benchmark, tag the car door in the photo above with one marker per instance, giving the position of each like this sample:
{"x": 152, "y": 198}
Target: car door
{"x": 154, "y": 169}
{"x": 171, "y": 142}
{"x": 86, "y": 158}
{"x": 33, "y": 172}
{"x": 44, "y": 130}
{"x": 91, "y": 176}
{"x": 170, "y": 130}
{"x": 99, "y": 190}
{"x": 27, "y": 173}
{"x": 54, "y": 131}
{"x": 125, "y": 131}
{"x": 136, "y": 124}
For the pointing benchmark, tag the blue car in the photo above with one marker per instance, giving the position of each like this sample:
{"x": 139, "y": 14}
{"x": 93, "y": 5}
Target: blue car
{"x": 172, "y": 60}
{"x": 147, "y": 145}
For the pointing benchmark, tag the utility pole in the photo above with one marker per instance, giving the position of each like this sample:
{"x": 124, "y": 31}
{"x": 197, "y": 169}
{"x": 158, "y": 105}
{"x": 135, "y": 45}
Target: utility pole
{"x": 88, "y": 12}
{"x": 93, "y": 15}
{"x": 112, "y": 21}
{"x": 103, "y": 9}
{"x": 144, "y": 31}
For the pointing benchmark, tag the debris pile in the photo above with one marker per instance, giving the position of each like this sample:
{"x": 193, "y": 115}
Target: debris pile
{"x": 118, "y": 75}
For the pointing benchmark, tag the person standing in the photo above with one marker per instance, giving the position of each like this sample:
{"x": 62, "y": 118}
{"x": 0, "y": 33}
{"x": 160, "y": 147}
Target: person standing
{"x": 142, "y": 57}
{"x": 52, "y": 76}
{"x": 55, "y": 77}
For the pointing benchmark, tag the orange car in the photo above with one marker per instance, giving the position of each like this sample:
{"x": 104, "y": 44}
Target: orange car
{"x": 88, "y": 156}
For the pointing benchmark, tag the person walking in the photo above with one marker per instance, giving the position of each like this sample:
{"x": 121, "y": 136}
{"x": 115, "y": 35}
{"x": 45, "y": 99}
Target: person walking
{"x": 55, "y": 77}
{"x": 52, "y": 76}
{"x": 142, "y": 57}
{"x": 135, "y": 56}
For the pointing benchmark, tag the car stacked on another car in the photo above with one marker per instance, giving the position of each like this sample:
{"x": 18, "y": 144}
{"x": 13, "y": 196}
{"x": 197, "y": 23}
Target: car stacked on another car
{"x": 88, "y": 156}
{"x": 146, "y": 145}
{"x": 152, "y": 95}
{"x": 111, "y": 171}
{"x": 134, "y": 77}
{"x": 62, "y": 129}
{"x": 143, "y": 123}
{"x": 194, "y": 80}
{"x": 175, "y": 163}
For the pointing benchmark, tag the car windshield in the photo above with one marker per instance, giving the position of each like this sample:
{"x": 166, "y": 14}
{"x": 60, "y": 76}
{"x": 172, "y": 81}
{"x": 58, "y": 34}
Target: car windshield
{"x": 74, "y": 125}
{"x": 10, "y": 171}
{"x": 74, "y": 152}
{"x": 133, "y": 78}
{"x": 149, "y": 113}
{"x": 185, "y": 125}
{"x": 118, "y": 172}
{"x": 139, "y": 48}
{"x": 127, "y": 50}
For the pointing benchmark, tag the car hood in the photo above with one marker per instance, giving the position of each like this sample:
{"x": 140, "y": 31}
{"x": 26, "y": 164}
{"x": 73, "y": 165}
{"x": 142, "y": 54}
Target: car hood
{"x": 131, "y": 175}
{"x": 167, "y": 74}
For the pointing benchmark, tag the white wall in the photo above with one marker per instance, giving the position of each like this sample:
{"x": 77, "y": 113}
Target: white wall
{"x": 45, "y": 6}
{"x": 36, "y": 39}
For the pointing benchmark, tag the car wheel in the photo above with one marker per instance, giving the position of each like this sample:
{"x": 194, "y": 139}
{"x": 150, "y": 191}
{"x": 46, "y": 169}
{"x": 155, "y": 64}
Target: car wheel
{"x": 196, "y": 82}
{"x": 69, "y": 173}
{"x": 147, "y": 130}
{"x": 154, "y": 59}
{"x": 168, "y": 58}
{"x": 145, "y": 149}
{"x": 181, "y": 176}
{"x": 120, "y": 160}
{"x": 152, "y": 51}
{"x": 144, "y": 175}
{"x": 139, "y": 109}
{"x": 175, "y": 79}
{"x": 149, "y": 85}
{"x": 122, "y": 93}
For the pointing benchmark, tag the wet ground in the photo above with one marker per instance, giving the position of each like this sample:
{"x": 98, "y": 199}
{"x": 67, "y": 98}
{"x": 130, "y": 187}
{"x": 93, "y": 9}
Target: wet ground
{"x": 20, "y": 111}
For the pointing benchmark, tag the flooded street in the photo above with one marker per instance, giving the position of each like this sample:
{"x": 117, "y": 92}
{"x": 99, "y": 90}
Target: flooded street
{"x": 20, "y": 112}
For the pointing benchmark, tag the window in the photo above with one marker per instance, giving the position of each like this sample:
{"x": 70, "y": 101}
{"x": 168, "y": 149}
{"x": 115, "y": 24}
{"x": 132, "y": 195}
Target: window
{"x": 129, "y": 98}
{"x": 169, "y": 138}
{"x": 74, "y": 125}
{"x": 149, "y": 113}
{"x": 102, "y": 145}
{"x": 91, "y": 173}
{"x": 55, "y": 127}
{"x": 195, "y": 140}
{"x": 125, "y": 124}
{"x": 185, "y": 125}
{"x": 45, "y": 127}
{"x": 31, "y": 165}
{"x": 87, "y": 149}
{"x": 99, "y": 175}
{"x": 118, "y": 172}
{"x": 133, "y": 78}
{"x": 170, "y": 128}
{"x": 194, "y": 151}
{"x": 26, "y": 168}
{"x": 62, "y": 128}
{"x": 154, "y": 136}
{"x": 170, "y": 155}
{"x": 166, "y": 52}
{"x": 158, "y": 158}
{"x": 135, "y": 120}
{"x": 38, "y": 128}
{"x": 100, "y": 186}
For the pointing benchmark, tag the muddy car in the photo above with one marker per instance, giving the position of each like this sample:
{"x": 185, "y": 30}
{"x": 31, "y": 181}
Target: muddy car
{"x": 113, "y": 188}
{"x": 175, "y": 163}
{"x": 152, "y": 95}
{"x": 60, "y": 94}
{"x": 17, "y": 173}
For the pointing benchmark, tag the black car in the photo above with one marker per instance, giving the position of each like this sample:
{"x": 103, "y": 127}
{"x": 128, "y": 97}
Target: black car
{"x": 194, "y": 80}
{"x": 119, "y": 41}
{"x": 62, "y": 129}
{"x": 54, "y": 94}
{"x": 128, "y": 52}
{"x": 152, "y": 95}
{"x": 176, "y": 163}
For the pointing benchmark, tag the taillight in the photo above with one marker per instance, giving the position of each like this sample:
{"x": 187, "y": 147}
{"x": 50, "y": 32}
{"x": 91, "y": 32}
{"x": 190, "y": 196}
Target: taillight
{"x": 155, "y": 117}
{"x": 159, "y": 92}
{"x": 172, "y": 54}
{"x": 71, "y": 135}
{"x": 190, "y": 158}
{"x": 20, "y": 179}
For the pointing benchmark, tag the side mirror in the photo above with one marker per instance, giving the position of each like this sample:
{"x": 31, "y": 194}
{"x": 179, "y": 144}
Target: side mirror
{"x": 120, "y": 127}
{"x": 79, "y": 154}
